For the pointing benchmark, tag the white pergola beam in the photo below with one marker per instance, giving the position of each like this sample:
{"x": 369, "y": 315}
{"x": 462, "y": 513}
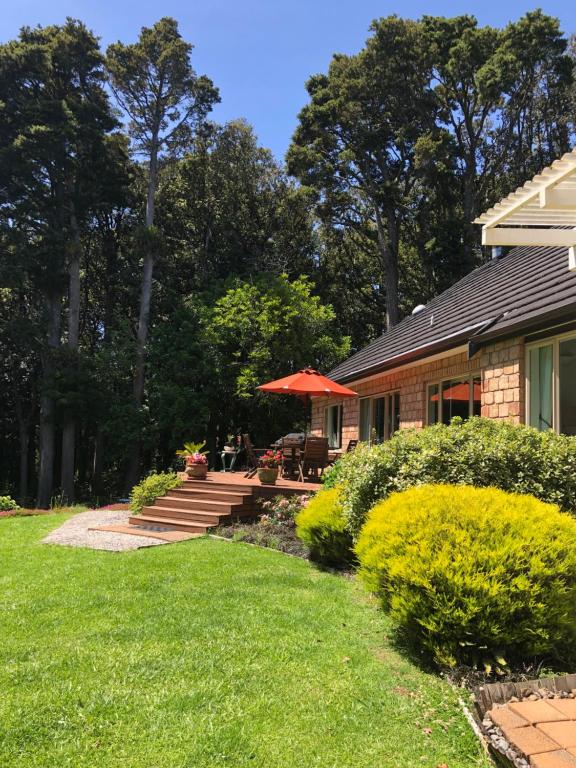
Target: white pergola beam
{"x": 533, "y": 236}
{"x": 558, "y": 199}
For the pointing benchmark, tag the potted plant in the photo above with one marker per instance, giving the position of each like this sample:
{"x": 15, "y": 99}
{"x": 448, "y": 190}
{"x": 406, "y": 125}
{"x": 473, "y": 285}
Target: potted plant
{"x": 197, "y": 466}
{"x": 195, "y": 461}
{"x": 268, "y": 465}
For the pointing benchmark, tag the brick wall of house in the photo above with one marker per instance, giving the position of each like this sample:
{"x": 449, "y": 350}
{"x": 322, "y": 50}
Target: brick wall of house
{"x": 501, "y": 367}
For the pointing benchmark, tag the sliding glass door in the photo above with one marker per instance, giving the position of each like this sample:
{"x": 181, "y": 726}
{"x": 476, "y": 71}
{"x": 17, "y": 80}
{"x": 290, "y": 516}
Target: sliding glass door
{"x": 567, "y": 384}
{"x": 379, "y": 417}
{"x": 551, "y": 385}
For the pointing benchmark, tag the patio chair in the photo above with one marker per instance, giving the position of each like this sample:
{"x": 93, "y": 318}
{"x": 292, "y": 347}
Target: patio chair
{"x": 314, "y": 457}
{"x": 291, "y": 448}
{"x": 251, "y": 455}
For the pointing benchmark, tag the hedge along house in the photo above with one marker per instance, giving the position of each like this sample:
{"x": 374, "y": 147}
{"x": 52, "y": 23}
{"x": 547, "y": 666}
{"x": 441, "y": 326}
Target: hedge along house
{"x": 499, "y": 343}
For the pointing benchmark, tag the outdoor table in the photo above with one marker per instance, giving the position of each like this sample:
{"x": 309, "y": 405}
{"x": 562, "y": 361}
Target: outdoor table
{"x": 296, "y": 446}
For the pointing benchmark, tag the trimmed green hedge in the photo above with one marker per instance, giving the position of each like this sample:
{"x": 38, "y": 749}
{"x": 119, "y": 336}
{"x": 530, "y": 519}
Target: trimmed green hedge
{"x": 150, "y": 488}
{"x": 479, "y": 452}
{"x": 474, "y": 574}
{"x": 322, "y": 527}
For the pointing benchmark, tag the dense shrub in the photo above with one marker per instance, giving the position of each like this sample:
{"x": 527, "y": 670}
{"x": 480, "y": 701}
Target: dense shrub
{"x": 7, "y": 503}
{"x": 321, "y": 525}
{"x": 479, "y": 452}
{"x": 474, "y": 573}
{"x": 150, "y": 488}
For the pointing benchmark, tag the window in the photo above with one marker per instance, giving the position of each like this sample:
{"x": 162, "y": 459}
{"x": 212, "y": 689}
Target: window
{"x": 567, "y": 375}
{"x": 550, "y": 385}
{"x": 540, "y": 377}
{"x": 379, "y": 417}
{"x": 454, "y": 397}
{"x": 333, "y": 425}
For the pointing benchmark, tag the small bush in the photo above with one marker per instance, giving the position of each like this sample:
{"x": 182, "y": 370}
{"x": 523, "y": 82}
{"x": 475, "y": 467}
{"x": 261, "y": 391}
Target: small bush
{"x": 479, "y": 452}
{"x": 282, "y": 510}
{"x": 474, "y": 573}
{"x": 150, "y": 488}
{"x": 321, "y": 525}
{"x": 7, "y": 504}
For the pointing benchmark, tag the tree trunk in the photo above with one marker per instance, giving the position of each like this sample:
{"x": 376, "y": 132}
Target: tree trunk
{"x": 47, "y": 427}
{"x": 387, "y": 243}
{"x": 98, "y": 463}
{"x": 24, "y": 447}
{"x": 133, "y": 471}
{"x": 469, "y": 209}
{"x": 69, "y": 427}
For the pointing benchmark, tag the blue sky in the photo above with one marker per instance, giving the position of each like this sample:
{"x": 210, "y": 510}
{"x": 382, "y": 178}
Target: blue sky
{"x": 260, "y": 53}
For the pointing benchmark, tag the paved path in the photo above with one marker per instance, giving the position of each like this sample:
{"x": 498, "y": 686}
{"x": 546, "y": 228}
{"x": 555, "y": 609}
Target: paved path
{"x": 77, "y": 532}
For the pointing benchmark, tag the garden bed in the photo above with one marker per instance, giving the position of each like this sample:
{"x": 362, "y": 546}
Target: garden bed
{"x": 280, "y": 537}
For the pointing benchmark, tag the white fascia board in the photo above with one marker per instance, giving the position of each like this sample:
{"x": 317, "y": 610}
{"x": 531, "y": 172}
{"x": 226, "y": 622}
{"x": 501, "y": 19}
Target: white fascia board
{"x": 532, "y": 236}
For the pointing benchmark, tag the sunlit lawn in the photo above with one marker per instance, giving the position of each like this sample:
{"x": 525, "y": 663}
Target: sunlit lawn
{"x": 205, "y": 653}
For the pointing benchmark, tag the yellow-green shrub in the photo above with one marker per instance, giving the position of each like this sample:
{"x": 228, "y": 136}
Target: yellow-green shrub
{"x": 150, "y": 488}
{"x": 321, "y": 525}
{"x": 474, "y": 573}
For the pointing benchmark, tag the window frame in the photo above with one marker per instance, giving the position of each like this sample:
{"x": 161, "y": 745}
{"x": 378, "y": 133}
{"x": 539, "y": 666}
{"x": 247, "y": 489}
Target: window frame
{"x": 388, "y": 398}
{"x": 553, "y": 341}
{"x": 439, "y": 383}
{"x": 340, "y": 419}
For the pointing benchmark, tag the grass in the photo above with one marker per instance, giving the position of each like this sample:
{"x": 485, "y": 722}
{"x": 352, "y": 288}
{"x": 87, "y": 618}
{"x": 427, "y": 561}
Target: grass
{"x": 205, "y": 654}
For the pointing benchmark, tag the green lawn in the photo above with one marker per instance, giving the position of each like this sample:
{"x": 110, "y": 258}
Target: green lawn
{"x": 203, "y": 654}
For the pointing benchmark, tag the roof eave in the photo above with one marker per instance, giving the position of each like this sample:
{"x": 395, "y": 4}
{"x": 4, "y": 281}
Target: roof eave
{"x": 528, "y": 325}
{"x": 443, "y": 345}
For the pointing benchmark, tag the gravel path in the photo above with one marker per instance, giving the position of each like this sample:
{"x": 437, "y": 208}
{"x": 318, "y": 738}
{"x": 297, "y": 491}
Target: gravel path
{"x": 75, "y": 533}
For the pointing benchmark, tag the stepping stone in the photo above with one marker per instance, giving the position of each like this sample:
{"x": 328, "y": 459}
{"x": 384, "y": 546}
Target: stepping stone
{"x": 164, "y": 535}
{"x": 558, "y": 759}
{"x": 566, "y": 706}
{"x": 503, "y": 717}
{"x": 563, "y": 733}
{"x": 530, "y": 740}
{"x": 537, "y": 711}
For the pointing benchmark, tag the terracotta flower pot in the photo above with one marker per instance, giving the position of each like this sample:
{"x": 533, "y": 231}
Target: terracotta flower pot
{"x": 197, "y": 471}
{"x": 268, "y": 476}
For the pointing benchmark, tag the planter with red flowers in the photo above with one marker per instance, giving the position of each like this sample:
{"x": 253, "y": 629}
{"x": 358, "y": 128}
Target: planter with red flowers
{"x": 268, "y": 465}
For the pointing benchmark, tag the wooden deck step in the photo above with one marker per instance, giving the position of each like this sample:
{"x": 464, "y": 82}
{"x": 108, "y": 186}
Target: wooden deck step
{"x": 211, "y": 493}
{"x": 175, "y": 524}
{"x": 209, "y": 505}
{"x": 195, "y": 515}
{"x": 216, "y": 485}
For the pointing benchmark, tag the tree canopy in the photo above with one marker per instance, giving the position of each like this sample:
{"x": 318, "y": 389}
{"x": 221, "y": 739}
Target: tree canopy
{"x": 155, "y": 267}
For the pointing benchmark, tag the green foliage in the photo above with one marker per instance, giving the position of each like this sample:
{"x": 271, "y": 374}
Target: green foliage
{"x": 7, "y": 504}
{"x": 156, "y": 484}
{"x": 321, "y": 525}
{"x": 190, "y": 449}
{"x": 479, "y": 452}
{"x": 154, "y": 82}
{"x": 474, "y": 574}
{"x": 257, "y": 325}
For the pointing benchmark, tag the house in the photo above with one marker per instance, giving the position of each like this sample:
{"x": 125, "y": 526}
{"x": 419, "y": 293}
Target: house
{"x": 499, "y": 343}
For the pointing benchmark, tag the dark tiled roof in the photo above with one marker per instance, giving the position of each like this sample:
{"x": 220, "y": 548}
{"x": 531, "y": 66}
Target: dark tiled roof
{"x": 513, "y": 293}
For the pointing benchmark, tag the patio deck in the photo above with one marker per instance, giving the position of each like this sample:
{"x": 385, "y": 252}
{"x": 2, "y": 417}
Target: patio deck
{"x": 237, "y": 478}
{"x": 198, "y": 505}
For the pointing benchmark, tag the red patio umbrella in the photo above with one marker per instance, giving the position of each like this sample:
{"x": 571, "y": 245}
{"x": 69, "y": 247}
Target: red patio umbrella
{"x": 307, "y": 383}
{"x": 460, "y": 391}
